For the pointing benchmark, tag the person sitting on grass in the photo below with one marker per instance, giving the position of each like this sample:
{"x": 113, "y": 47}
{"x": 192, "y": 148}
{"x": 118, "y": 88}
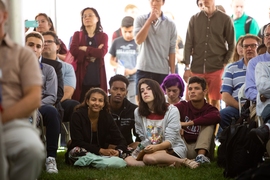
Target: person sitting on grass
{"x": 158, "y": 122}
{"x": 198, "y": 120}
{"x": 122, "y": 109}
{"x": 173, "y": 87}
{"x": 91, "y": 125}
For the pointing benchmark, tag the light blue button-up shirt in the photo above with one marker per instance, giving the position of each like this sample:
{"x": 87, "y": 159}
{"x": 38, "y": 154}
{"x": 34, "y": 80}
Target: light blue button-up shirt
{"x": 262, "y": 78}
{"x": 251, "y": 90}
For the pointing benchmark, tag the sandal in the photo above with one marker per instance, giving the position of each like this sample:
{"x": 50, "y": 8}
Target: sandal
{"x": 190, "y": 163}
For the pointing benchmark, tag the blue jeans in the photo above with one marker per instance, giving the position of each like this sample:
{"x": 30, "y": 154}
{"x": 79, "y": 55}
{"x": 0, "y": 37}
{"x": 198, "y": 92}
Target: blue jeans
{"x": 51, "y": 119}
{"x": 226, "y": 115}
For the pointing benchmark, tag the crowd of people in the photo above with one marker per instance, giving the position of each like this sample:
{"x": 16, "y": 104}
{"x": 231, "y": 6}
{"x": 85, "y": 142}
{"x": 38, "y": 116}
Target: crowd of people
{"x": 146, "y": 97}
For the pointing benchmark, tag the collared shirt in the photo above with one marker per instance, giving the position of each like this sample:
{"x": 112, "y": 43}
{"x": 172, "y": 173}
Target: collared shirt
{"x": 251, "y": 90}
{"x": 234, "y": 78}
{"x": 262, "y": 79}
{"x": 160, "y": 43}
{"x": 69, "y": 76}
{"x": 20, "y": 69}
{"x": 210, "y": 42}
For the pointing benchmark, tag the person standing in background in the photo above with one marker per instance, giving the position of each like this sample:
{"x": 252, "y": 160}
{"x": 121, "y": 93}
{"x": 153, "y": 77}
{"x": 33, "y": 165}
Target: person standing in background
{"x": 243, "y": 24}
{"x": 45, "y": 24}
{"x": 200, "y": 4}
{"x": 124, "y": 56}
{"x": 130, "y": 10}
{"x": 156, "y": 37}
{"x": 89, "y": 46}
{"x": 210, "y": 41}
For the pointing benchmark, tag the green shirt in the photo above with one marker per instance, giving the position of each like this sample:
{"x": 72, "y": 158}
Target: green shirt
{"x": 239, "y": 26}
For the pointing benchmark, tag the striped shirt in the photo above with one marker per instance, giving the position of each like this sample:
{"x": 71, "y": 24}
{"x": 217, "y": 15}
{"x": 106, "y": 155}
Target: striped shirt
{"x": 234, "y": 78}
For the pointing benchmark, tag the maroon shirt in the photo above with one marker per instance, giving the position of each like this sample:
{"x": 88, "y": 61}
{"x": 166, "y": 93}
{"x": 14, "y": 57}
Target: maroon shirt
{"x": 207, "y": 115}
{"x": 82, "y": 62}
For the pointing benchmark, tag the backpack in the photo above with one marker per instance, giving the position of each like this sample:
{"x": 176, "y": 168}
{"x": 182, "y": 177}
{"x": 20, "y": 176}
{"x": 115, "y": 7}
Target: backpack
{"x": 258, "y": 173}
{"x": 237, "y": 153}
{"x": 247, "y": 24}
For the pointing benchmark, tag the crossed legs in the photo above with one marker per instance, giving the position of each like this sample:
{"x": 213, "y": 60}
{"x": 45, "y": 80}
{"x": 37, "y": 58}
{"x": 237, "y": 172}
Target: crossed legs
{"x": 161, "y": 158}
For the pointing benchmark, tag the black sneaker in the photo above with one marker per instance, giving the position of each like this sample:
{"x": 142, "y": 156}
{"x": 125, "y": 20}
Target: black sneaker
{"x": 260, "y": 134}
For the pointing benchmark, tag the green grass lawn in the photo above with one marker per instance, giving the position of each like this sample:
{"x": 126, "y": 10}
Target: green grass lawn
{"x": 66, "y": 172}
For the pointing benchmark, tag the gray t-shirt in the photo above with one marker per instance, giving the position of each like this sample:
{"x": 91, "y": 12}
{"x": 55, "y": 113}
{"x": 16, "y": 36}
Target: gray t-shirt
{"x": 125, "y": 53}
{"x": 160, "y": 42}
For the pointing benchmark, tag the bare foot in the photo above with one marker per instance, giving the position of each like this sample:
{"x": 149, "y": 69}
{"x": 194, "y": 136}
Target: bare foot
{"x": 188, "y": 163}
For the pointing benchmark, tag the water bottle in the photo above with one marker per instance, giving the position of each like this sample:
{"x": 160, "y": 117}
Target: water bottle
{"x": 140, "y": 147}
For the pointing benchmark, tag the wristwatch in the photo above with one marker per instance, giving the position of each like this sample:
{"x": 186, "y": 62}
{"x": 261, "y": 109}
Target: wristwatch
{"x": 187, "y": 69}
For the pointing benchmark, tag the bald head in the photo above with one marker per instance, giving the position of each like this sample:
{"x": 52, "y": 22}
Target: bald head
{"x": 238, "y": 7}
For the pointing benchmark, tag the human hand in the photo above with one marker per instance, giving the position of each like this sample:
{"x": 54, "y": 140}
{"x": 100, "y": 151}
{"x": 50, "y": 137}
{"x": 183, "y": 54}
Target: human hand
{"x": 154, "y": 15}
{"x": 187, "y": 75}
{"x": 100, "y": 46}
{"x": 181, "y": 132}
{"x": 189, "y": 123}
{"x": 150, "y": 149}
{"x": 108, "y": 152}
{"x": 83, "y": 48}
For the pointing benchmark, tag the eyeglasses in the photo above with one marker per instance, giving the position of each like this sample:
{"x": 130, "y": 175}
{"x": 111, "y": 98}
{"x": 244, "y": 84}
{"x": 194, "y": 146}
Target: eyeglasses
{"x": 88, "y": 15}
{"x": 267, "y": 35}
{"x": 252, "y": 46}
{"x": 49, "y": 42}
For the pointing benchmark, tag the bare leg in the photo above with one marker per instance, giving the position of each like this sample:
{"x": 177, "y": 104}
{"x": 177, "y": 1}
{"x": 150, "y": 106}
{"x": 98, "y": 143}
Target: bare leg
{"x": 215, "y": 103}
{"x": 133, "y": 162}
{"x": 163, "y": 158}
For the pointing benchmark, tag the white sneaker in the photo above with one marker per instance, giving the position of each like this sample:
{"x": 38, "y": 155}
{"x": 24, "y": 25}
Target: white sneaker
{"x": 202, "y": 159}
{"x": 51, "y": 166}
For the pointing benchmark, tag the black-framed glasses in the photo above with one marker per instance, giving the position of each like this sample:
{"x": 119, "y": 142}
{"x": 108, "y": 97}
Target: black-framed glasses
{"x": 49, "y": 42}
{"x": 252, "y": 46}
{"x": 267, "y": 35}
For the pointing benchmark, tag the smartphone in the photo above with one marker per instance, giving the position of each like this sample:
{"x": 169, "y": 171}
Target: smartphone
{"x": 29, "y": 24}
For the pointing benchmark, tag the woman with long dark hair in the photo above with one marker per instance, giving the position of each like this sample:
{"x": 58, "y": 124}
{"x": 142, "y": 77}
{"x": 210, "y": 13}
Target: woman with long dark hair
{"x": 92, "y": 127}
{"x": 158, "y": 122}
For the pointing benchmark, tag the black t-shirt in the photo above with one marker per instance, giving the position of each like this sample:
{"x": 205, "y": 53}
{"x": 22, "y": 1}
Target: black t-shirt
{"x": 92, "y": 76}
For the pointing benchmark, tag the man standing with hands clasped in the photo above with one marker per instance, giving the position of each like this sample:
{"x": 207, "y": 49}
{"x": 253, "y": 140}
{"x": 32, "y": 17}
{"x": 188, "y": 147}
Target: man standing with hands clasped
{"x": 210, "y": 42}
{"x": 156, "y": 37}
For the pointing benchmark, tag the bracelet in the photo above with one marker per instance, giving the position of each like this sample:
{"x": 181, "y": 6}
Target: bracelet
{"x": 120, "y": 153}
{"x": 187, "y": 69}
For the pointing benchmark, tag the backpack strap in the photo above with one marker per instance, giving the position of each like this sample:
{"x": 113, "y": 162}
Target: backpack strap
{"x": 247, "y": 24}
